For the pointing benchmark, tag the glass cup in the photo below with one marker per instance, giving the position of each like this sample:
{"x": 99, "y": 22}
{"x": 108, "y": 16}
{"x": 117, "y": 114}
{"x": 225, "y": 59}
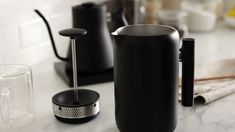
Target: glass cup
{"x": 16, "y": 96}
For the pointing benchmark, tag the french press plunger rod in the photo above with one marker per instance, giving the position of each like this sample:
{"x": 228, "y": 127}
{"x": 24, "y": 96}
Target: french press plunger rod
{"x": 77, "y": 105}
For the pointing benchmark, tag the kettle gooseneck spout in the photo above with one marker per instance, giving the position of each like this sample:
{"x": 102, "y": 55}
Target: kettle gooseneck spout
{"x": 50, "y": 35}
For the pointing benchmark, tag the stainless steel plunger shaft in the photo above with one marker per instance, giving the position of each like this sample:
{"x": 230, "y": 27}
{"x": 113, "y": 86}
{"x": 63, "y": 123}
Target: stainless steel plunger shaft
{"x": 73, "y": 33}
{"x": 75, "y": 81}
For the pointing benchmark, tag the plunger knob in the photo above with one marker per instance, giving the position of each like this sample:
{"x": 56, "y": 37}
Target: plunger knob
{"x": 73, "y": 32}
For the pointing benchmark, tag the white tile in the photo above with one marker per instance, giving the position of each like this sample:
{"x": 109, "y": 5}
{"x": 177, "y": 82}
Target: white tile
{"x": 59, "y": 22}
{"x": 77, "y": 2}
{"x": 45, "y": 51}
{"x": 27, "y": 56}
{"x": 33, "y": 32}
{"x": 50, "y": 7}
{"x": 10, "y": 40}
{"x": 14, "y": 11}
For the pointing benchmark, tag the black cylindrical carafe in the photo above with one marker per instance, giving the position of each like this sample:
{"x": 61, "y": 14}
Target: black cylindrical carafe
{"x": 146, "y": 69}
{"x": 94, "y": 52}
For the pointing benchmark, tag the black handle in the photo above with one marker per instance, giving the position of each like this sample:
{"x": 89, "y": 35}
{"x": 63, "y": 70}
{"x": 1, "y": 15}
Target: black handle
{"x": 187, "y": 59}
{"x": 50, "y": 35}
{"x": 119, "y": 18}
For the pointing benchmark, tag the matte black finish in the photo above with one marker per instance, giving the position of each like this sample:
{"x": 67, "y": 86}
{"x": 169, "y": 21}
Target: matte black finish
{"x": 146, "y": 78}
{"x": 66, "y": 98}
{"x": 187, "y": 57}
{"x": 95, "y": 53}
{"x": 73, "y": 32}
{"x": 118, "y": 19}
{"x": 83, "y": 78}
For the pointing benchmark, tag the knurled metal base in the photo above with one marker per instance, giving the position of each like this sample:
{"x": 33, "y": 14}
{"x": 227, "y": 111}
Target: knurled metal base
{"x": 76, "y": 112}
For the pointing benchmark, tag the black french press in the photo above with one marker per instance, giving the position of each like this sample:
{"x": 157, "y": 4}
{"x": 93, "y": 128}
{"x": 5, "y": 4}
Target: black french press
{"x": 146, "y": 77}
{"x": 77, "y": 105}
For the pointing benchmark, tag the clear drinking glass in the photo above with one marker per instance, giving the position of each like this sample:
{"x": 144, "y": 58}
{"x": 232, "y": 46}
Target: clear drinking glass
{"x": 16, "y": 95}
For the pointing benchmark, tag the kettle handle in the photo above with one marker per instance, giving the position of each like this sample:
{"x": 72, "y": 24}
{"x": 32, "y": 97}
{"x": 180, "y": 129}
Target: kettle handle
{"x": 50, "y": 34}
{"x": 187, "y": 59}
{"x": 118, "y": 17}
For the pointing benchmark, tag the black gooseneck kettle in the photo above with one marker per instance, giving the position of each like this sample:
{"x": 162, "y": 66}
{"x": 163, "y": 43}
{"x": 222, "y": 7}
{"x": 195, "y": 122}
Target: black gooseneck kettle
{"x": 95, "y": 51}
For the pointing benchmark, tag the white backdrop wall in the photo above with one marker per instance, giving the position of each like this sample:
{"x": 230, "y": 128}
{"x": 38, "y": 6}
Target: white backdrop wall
{"x": 23, "y": 35}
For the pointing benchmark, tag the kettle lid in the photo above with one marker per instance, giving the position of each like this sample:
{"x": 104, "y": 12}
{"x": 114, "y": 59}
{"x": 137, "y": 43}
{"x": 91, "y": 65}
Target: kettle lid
{"x": 88, "y": 5}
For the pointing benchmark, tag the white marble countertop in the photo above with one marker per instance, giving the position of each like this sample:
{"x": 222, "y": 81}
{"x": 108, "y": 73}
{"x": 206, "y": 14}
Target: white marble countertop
{"x": 218, "y": 116}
